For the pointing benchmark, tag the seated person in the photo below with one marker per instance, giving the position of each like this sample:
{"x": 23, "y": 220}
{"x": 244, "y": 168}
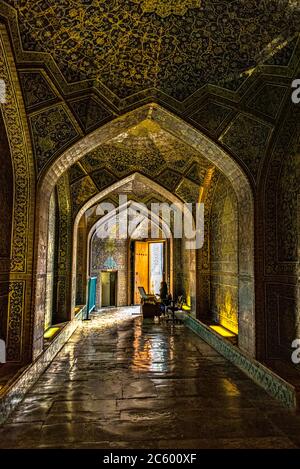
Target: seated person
{"x": 165, "y": 297}
{"x": 163, "y": 291}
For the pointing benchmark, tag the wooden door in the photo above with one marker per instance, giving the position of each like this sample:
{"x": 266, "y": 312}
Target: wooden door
{"x": 141, "y": 269}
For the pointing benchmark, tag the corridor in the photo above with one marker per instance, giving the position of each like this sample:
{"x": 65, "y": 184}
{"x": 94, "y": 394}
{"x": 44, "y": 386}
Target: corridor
{"x": 121, "y": 382}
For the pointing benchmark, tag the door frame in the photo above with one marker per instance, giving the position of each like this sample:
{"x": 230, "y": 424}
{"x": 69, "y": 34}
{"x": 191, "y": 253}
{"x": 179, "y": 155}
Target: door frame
{"x": 116, "y": 286}
{"x": 167, "y": 274}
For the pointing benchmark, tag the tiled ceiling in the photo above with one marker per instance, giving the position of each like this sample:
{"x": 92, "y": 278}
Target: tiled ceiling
{"x": 176, "y": 47}
{"x": 146, "y": 149}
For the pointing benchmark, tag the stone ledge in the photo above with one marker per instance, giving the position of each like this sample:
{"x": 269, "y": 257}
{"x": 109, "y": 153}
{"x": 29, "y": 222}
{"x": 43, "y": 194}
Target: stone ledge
{"x": 272, "y": 383}
{"x": 15, "y": 392}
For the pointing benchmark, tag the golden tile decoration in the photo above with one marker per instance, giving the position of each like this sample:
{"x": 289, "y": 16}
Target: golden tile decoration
{"x": 128, "y": 49}
{"x": 166, "y": 8}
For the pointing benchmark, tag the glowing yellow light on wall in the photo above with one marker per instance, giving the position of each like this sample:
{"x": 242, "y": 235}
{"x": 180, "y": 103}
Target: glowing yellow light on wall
{"x": 228, "y": 317}
{"x": 51, "y": 332}
{"x": 222, "y": 331}
{"x": 188, "y": 300}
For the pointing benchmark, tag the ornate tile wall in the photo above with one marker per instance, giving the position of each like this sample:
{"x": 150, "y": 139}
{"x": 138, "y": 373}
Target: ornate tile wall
{"x": 111, "y": 254}
{"x": 6, "y": 213}
{"x": 18, "y": 334}
{"x": 63, "y": 250}
{"x": 280, "y": 250}
{"x": 50, "y": 262}
{"x": 52, "y": 132}
{"x": 248, "y": 139}
{"x": 224, "y": 256}
{"x": 36, "y": 89}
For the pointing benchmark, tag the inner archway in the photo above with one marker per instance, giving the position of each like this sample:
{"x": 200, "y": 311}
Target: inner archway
{"x": 185, "y": 271}
{"x": 112, "y": 255}
{"x": 215, "y": 154}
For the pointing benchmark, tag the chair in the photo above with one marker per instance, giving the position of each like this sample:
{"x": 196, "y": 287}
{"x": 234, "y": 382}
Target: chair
{"x": 172, "y": 308}
{"x": 144, "y": 296}
{"x": 149, "y": 305}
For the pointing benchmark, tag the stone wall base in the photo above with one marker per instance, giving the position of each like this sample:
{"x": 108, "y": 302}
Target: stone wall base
{"x": 12, "y": 395}
{"x": 276, "y": 386}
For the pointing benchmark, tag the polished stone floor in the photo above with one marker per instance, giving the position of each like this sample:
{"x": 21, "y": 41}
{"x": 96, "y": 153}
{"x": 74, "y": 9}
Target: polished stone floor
{"x": 121, "y": 382}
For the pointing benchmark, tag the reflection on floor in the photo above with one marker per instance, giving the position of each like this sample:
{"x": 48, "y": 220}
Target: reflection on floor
{"x": 123, "y": 383}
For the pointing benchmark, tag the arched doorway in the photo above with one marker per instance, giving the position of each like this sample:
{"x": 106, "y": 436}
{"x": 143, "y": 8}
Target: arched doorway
{"x": 224, "y": 162}
{"x": 119, "y": 255}
{"x": 187, "y": 270}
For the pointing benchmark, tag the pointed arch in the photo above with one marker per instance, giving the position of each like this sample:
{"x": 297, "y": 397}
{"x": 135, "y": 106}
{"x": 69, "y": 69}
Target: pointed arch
{"x": 154, "y": 219}
{"x": 199, "y": 142}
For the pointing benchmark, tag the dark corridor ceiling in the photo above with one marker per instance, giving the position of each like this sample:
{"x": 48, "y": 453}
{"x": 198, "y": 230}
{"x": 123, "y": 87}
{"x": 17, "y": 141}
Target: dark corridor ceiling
{"x": 82, "y": 63}
{"x": 176, "y": 47}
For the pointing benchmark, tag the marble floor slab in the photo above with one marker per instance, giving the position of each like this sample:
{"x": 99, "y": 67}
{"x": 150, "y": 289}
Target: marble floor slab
{"x": 124, "y": 382}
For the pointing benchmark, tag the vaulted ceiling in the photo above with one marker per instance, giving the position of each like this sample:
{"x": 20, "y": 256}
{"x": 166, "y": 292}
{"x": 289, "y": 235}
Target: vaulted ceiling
{"x": 224, "y": 67}
{"x": 145, "y": 148}
{"x": 176, "y": 47}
